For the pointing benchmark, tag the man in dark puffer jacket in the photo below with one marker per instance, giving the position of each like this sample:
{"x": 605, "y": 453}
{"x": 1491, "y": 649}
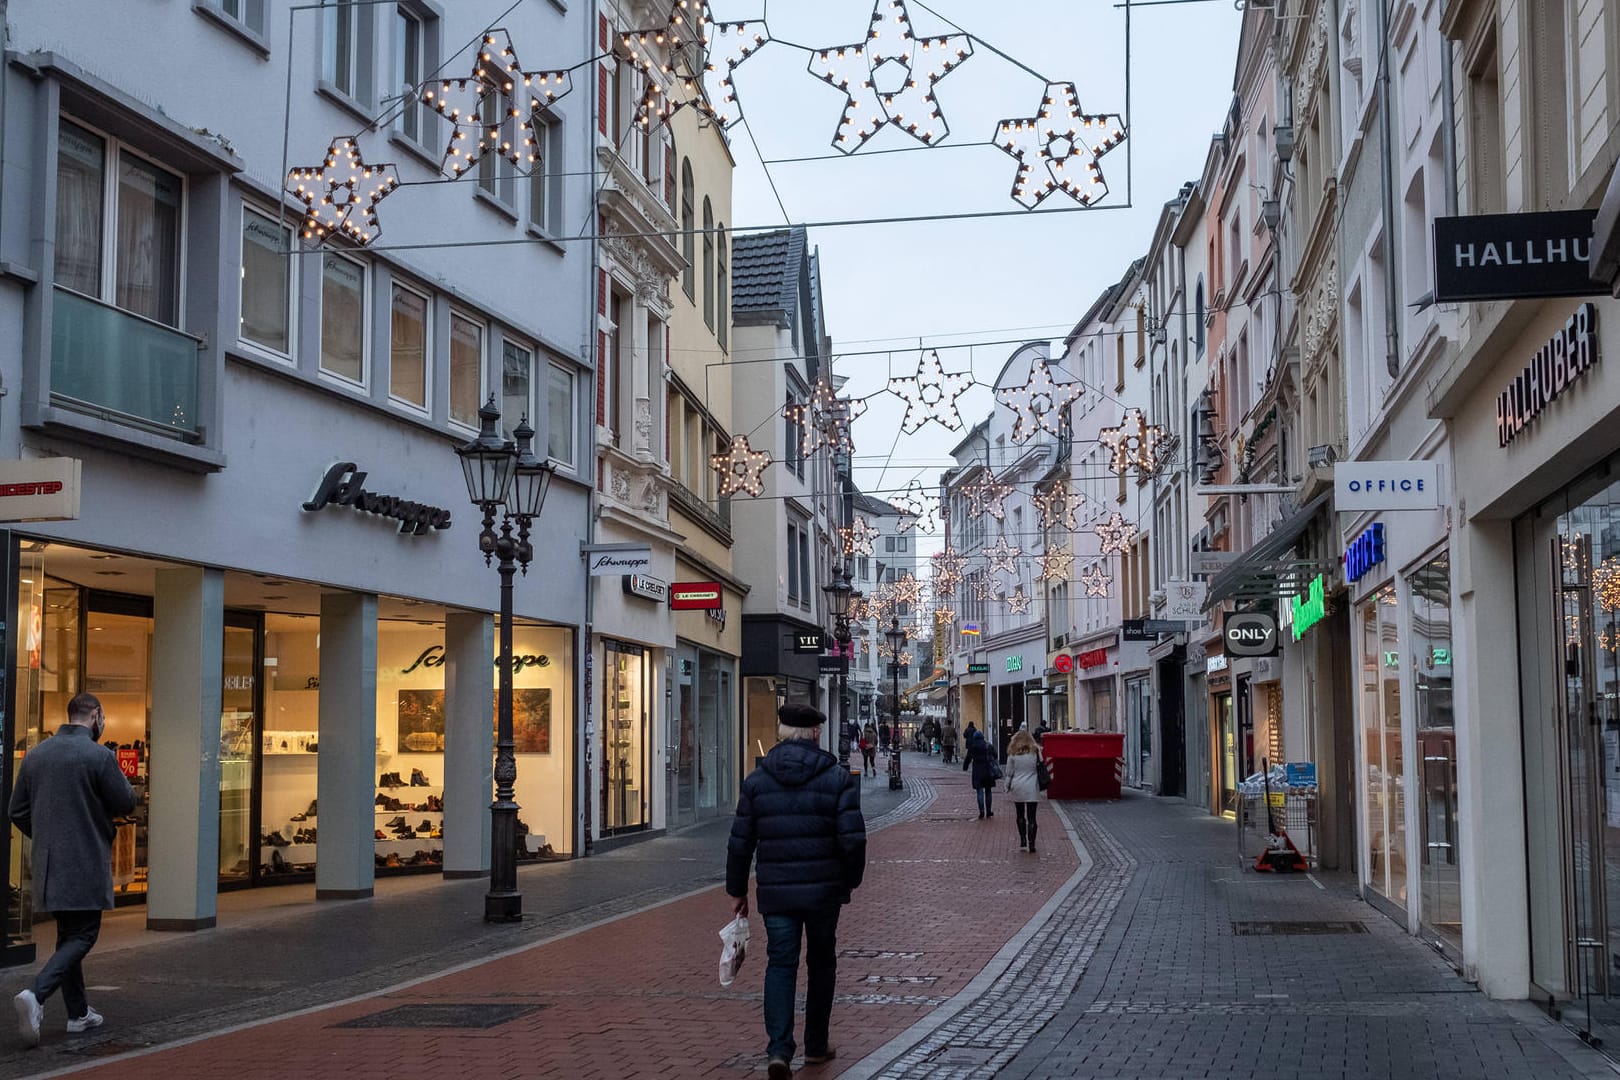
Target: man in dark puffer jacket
{"x": 802, "y": 811}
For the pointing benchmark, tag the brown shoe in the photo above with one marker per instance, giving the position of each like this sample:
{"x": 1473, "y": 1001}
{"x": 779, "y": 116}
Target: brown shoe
{"x": 821, "y": 1058}
{"x": 779, "y": 1070}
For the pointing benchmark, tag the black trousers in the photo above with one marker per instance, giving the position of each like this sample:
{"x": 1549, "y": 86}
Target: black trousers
{"x": 1026, "y": 828}
{"x": 76, "y": 933}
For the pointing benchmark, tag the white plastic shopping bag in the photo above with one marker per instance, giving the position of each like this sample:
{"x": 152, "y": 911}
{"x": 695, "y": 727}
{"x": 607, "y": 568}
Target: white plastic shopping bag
{"x": 733, "y": 948}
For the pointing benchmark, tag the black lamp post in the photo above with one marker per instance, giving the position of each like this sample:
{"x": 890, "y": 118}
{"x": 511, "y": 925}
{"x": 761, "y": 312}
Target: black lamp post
{"x": 507, "y": 479}
{"x": 897, "y": 641}
{"x": 839, "y": 594}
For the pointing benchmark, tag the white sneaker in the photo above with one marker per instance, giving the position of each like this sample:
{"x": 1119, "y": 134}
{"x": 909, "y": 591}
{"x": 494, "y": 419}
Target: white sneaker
{"x": 29, "y": 1014}
{"x": 90, "y": 1019}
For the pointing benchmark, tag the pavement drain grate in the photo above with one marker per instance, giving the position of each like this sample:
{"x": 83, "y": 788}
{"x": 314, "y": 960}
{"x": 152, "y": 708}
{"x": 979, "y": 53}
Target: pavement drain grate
{"x": 470, "y": 1015}
{"x": 908, "y": 980}
{"x": 876, "y": 954}
{"x": 962, "y": 1055}
{"x": 1270, "y": 928}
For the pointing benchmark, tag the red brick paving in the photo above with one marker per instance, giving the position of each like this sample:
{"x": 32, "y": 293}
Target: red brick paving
{"x": 639, "y": 997}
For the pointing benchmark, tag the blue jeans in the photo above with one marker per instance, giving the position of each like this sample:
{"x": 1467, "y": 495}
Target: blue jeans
{"x": 782, "y": 933}
{"x": 984, "y": 799}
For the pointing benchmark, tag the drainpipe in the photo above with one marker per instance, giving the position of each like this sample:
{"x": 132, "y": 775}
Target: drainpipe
{"x": 1448, "y": 113}
{"x": 585, "y": 789}
{"x": 1392, "y": 341}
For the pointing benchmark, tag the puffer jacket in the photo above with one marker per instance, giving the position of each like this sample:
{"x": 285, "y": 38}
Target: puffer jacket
{"x": 801, "y": 813}
{"x": 978, "y": 756}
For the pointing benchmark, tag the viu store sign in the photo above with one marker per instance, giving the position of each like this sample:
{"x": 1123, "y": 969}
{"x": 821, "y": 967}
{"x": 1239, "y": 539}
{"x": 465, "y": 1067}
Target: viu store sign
{"x": 1567, "y": 356}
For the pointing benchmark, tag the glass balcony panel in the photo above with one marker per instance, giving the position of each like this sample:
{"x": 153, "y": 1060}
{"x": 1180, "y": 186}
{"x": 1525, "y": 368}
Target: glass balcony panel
{"x": 111, "y": 360}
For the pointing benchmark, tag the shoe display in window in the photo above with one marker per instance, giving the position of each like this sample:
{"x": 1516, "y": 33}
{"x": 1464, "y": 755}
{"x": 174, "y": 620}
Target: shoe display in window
{"x": 418, "y": 778}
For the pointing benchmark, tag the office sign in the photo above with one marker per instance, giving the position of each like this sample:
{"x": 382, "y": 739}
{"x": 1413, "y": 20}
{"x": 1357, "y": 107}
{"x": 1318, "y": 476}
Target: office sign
{"x": 40, "y": 489}
{"x": 1386, "y": 485}
{"x": 807, "y": 641}
{"x": 647, "y": 587}
{"x": 1365, "y": 552}
{"x": 1251, "y": 633}
{"x": 613, "y": 563}
{"x": 1309, "y": 608}
{"x": 1508, "y": 256}
{"x": 695, "y": 595}
{"x": 1560, "y": 362}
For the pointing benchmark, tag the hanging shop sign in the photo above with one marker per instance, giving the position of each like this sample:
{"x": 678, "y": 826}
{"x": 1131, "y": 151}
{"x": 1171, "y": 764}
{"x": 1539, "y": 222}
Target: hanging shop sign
{"x": 1092, "y": 658}
{"x": 695, "y": 595}
{"x": 1309, "y": 608}
{"x": 833, "y": 665}
{"x": 40, "y": 489}
{"x": 610, "y": 560}
{"x": 1215, "y": 663}
{"x": 1015, "y": 662}
{"x": 1386, "y": 485}
{"x": 344, "y": 485}
{"x": 1251, "y": 633}
{"x": 1365, "y": 552}
{"x": 1185, "y": 600}
{"x": 807, "y": 641}
{"x": 1210, "y": 563}
{"x": 1508, "y": 256}
{"x": 1567, "y": 356}
{"x": 978, "y": 669}
{"x": 1136, "y": 630}
{"x": 970, "y": 628}
{"x": 1062, "y": 664}
{"x": 647, "y": 587}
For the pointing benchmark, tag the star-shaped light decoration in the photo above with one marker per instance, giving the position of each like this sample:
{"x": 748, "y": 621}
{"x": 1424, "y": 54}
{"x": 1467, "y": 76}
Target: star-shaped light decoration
{"x": 1058, "y": 149}
{"x": 949, "y": 563}
{"x": 825, "y": 419}
{"x": 1116, "y": 533}
{"x": 729, "y": 45}
{"x": 741, "y": 468}
{"x": 979, "y": 584}
{"x": 906, "y": 658}
{"x": 1003, "y": 556}
{"x": 944, "y": 615}
{"x": 340, "y": 195}
{"x": 890, "y": 80}
{"x": 987, "y": 497}
{"x": 857, "y": 537}
{"x": 1017, "y": 602}
{"x": 1040, "y": 402}
{"x": 907, "y": 589}
{"x": 1133, "y": 442}
{"x": 1606, "y": 584}
{"x": 1059, "y": 506}
{"x": 1095, "y": 581}
{"x": 698, "y": 56}
{"x": 916, "y": 508}
{"x": 931, "y": 394}
{"x": 503, "y": 93}
{"x": 1056, "y": 563}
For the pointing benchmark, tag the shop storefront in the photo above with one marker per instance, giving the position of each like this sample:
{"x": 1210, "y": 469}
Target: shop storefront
{"x": 780, "y": 665}
{"x": 1015, "y": 672}
{"x": 1059, "y": 678}
{"x": 1094, "y": 665}
{"x": 703, "y": 736}
{"x": 1225, "y": 753}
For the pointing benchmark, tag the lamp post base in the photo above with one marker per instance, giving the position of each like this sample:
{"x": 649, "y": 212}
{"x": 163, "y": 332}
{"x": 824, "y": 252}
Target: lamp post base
{"x": 503, "y": 902}
{"x": 503, "y": 907}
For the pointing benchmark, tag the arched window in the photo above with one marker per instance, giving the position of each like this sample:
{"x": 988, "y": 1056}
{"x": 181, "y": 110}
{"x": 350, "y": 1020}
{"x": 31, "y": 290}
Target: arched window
{"x": 722, "y": 293}
{"x": 708, "y": 263}
{"x": 1198, "y": 315}
{"x": 688, "y": 223}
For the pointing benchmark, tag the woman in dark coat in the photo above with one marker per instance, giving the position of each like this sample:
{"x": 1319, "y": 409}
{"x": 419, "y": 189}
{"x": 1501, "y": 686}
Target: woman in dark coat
{"x": 979, "y": 757}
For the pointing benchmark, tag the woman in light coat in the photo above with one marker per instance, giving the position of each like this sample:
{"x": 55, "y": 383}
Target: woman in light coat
{"x": 1023, "y": 785}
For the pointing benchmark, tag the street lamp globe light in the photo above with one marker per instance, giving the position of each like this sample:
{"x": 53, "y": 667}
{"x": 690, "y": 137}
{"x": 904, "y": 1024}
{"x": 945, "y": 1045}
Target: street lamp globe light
{"x": 487, "y": 461}
{"x": 531, "y": 477}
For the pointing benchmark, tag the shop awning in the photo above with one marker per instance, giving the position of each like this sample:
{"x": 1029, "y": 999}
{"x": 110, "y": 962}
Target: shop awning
{"x": 1266, "y": 570}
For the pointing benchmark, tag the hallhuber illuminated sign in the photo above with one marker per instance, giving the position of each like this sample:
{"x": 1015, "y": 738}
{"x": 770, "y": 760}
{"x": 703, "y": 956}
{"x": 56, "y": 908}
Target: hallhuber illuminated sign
{"x": 1309, "y": 608}
{"x": 1561, "y": 361}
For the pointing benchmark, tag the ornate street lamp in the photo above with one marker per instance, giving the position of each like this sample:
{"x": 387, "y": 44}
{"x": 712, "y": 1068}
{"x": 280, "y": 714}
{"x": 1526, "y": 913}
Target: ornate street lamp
{"x": 896, "y": 638}
{"x": 839, "y": 594}
{"x": 507, "y": 479}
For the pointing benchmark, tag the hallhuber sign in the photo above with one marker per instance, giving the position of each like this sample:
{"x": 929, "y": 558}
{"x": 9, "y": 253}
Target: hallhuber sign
{"x": 1561, "y": 361}
{"x": 1507, "y": 256}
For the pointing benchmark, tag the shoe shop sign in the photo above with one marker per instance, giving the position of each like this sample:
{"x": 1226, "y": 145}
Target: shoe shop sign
{"x": 344, "y": 485}
{"x": 1509, "y": 256}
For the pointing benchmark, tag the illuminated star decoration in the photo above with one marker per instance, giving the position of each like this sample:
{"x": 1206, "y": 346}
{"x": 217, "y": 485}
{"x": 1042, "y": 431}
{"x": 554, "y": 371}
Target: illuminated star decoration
{"x": 891, "y": 81}
{"x": 729, "y": 45}
{"x": 980, "y": 584}
{"x": 947, "y": 570}
{"x": 340, "y": 195}
{"x": 1003, "y": 556}
{"x": 916, "y": 508}
{"x": 1116, "y": 533}
{"x": 500, "y": 83}
{"x": 1055, "y": 564}
{"x": 741, "y": 468}
{"x": 858, "y": 537}
{"x": 1058, "y": 149}
{"x": 1040, "y": 402}
{"x": 1606, "y": 584}
{"x": 1059, "y": 506}
{"x": 944, "y": 615}
{"x": 1096, "y": 581}
{"x": 931, "y": 394}
{"x": 825, "y": 419}
{"x": 987, "y": 497}
{"x": 694, "y": 48}
{"x": 905, "y": 659}
{"x": 1017, "y": 602}
{"x": 1133, "y": 442}
{"x": 906, "y": 589}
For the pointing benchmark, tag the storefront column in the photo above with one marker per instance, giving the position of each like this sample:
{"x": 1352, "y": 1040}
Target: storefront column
{"x": 347, "y": 782}
{"x": 469, "y": 742}
{"x": 188, "y": 643}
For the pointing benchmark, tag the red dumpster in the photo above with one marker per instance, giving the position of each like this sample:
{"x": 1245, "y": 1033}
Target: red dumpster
{"x": 1084, "y": 765}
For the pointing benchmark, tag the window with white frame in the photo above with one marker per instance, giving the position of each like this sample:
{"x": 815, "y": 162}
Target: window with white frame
{"x": 546, "y": 177}
{"x": 496, "y": 173}
{"x": 408, "y": 347}
{"x": 118, "y": 225}
{"x": 267, "y": 283}
{"x": 348, "y": 51}
{"x": 343, "y": 317}
{"x": 560, "y": 415}
{"x": 415, "y": 58}
{"x": 793, "y": 561}
{"x": 250, "y": 13}
{"x": 517, "y": 383}
{"x": 466, "y": 369}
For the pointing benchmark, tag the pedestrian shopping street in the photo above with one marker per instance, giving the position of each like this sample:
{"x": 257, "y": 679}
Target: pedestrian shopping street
{"x": 1131, "y": 945}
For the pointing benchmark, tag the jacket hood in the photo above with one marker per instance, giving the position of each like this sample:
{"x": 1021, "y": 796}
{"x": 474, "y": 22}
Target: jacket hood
{"x": 794, "y": 762}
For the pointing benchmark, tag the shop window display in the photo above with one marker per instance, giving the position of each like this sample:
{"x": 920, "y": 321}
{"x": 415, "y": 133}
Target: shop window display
{"x": 289, "y": 745}
{"x": 624, "y": 738}
{"x": 1384, "y": 770}
{"x": 542, "y": 736}
{"x": 1440, "y": 892}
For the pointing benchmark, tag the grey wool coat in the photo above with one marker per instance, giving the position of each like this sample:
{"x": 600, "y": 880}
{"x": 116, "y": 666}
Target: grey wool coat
{"x": 68, "y": 791}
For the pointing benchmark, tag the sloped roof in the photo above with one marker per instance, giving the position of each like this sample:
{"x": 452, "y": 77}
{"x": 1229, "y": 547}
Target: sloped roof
{"x": 765, "y": 275}
{"x": 868, "y": 505}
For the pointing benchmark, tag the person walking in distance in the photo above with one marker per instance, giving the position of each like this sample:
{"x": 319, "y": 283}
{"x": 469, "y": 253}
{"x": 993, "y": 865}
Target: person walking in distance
{"x": 980, "y": 758}
{"x": 1024, "y": 785}
{"x": 799, "y": 821}
{"x": 947, "y": 744}
{"x": 869, "y": 749}
{"x": 67, "y": 793}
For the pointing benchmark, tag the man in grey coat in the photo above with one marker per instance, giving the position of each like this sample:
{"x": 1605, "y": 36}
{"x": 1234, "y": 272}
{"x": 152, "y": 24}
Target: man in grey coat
{"x": 68, "y": 791}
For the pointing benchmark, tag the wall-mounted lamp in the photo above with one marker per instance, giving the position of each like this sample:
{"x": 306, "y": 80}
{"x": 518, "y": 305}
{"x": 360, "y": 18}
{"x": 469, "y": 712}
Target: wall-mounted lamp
{"x": 1321, "y": 457}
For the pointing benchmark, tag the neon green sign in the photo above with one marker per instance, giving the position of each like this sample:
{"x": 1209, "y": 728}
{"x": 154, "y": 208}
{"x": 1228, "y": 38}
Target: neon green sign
{"x": 1310, "y": 608}
{"x": 1015, "y": 663}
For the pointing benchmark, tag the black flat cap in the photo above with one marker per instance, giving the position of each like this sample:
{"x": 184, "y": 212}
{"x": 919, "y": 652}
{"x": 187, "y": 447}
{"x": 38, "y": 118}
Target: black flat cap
{"x": 801, "y": 716}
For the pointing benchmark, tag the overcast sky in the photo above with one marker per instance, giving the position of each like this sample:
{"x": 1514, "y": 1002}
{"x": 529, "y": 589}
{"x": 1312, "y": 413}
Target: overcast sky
{"x": 948, "y": 284}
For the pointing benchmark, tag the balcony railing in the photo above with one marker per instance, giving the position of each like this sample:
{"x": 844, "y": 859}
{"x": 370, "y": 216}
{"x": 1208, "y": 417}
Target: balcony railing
{"x": 107, "y": 360}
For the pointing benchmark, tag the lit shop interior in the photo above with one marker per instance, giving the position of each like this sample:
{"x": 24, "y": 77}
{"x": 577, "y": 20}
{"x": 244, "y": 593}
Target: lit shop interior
{"x": 86, "y": 624}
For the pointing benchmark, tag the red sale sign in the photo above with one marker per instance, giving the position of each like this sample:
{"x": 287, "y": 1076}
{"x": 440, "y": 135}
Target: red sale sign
{"x": 129, "y": 762}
